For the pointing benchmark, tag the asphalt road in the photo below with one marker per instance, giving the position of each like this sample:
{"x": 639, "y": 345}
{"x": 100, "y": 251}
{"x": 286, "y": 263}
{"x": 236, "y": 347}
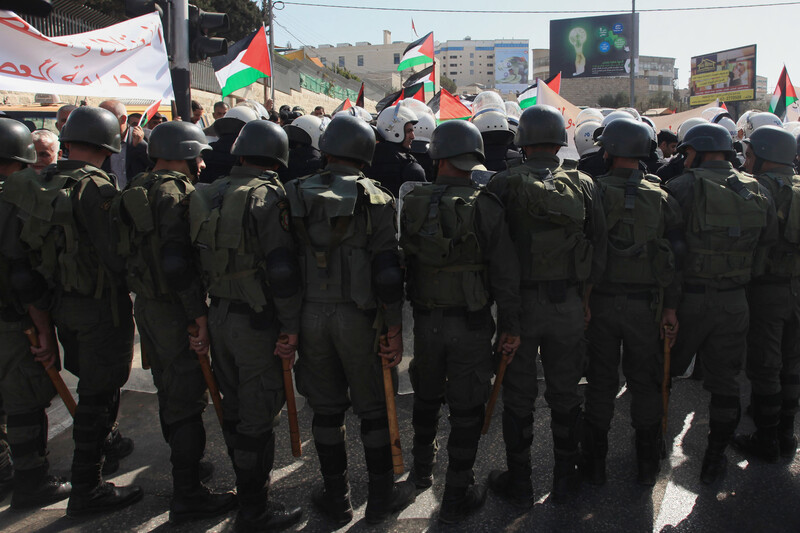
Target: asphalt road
{"x": 753, "y": 497}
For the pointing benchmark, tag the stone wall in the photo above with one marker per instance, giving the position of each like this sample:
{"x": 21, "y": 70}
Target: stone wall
{"x": 586, "y": 91}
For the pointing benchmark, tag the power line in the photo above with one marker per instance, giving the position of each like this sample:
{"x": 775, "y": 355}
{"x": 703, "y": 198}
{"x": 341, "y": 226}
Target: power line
{"x": 537, "y": 11}
{"x": 290, "y": 33}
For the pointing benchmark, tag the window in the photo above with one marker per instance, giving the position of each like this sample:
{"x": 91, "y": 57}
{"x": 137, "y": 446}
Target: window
{"x": 360, "y": 61}
{"x": 397, "y": 59}
{"x": 453, "y": 64}
{"x": 324, "y": 60}
{"x": 489, "y": 64}
{"x": 453, "y": 57}
{"x": 491, "y": 56}
{"x": 341, "y": 61}
{"x": 471, "y": 55}
{"x": 471, "y": 72}
{"x": 453, "y": 73}
{"x": 472, "y": 63}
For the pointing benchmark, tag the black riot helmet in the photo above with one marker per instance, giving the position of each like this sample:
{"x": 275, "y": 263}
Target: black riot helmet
{"x": 460, "y": 142}
{"x": 541, "y": 124}
{"x": 771, "y": 143}
{"x": 262, "y": 138}
{"x": 626, "y": 137}
{"x": 176, "y": 140}
{"x": 708, "y": 137}
{"x": 348, "y": 137}
{"x": 16, "y": 142}
{"x": 93, "y": 125}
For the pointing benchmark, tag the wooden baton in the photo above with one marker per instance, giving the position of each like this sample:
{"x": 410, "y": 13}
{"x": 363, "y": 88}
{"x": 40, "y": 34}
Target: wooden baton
{"x": 391, "y": 413}
{"x": 208, "y": 374}
{"x": 498, "y": 383}
{"x": 291, "y": 403}
{"x": 665, "y": 383}
{"x": 55, "y": 377}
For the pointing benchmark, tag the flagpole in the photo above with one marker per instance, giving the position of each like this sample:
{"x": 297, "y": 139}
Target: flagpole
{"x": 271, "y": 52}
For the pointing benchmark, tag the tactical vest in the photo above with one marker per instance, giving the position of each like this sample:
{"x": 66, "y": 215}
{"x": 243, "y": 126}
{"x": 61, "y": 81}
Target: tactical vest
{"x": 724, "y": 226}
{"x": 7, "y": 298}
{"x": 784, "y": 259}
{"x": 438, "y": 237}
{"x": 230, "y": 256}
{"x": 135, "y": 218}
{"x": 547, "y": 213}
{"x": 333, "y": 224}
{"x": 58, "y": 249}
{"x": 637, "y": 251}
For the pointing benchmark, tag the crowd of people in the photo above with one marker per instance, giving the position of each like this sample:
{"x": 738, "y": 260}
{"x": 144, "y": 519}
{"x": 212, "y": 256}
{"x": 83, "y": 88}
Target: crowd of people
{"x": 273, "y": 239}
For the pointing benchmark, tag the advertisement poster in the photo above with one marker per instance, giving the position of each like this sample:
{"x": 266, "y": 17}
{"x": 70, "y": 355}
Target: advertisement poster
{"x": 729, "y": 75}
{"x": 593, "y": 47}
{"x": 511, "y": 69}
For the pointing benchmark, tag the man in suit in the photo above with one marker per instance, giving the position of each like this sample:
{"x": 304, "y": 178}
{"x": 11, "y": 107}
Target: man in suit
{"x": 132, "y": 158}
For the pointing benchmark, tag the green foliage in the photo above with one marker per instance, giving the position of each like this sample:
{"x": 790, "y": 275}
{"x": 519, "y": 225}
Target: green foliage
{"x": 343, "y": 72}
{"x": 448, "y": 84}
{"x": 621, "y": 99}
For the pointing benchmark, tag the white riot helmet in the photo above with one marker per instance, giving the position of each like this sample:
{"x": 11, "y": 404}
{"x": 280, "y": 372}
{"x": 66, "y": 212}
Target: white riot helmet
{"x": 631, "y": 111}
{"x": 235, "y": 119}
{"x": 513, "y": 112}
{"x": 688, "y": 124}
{"x": 491, "y": 122}
{"x": 728, "y": 124}
{"x": 743, "y": 120}
{"x": 614, "y": 115}
{"x": 424, "y": 127}
{"x": 392, "y": 122}
{"x": 355, "y": 111}
{"x": 590, "y": 114}
{"x": 306, "y": 129}
{"x": 488, "y": 101}
{"x": 791, "y": 126}
{"x": 417, "y": 107}
{"x": 759, "y": 119}
{"x": 712, "y": 112}
{"x": 584, "y": 137}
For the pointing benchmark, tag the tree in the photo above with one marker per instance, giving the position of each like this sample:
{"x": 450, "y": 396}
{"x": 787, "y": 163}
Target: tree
{"x": 621, "y": 99}
{"x": 448, "y": 84}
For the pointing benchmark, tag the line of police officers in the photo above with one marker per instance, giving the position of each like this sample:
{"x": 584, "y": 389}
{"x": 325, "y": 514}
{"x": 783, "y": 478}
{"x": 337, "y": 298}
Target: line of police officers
{"x": 315, "y": 266}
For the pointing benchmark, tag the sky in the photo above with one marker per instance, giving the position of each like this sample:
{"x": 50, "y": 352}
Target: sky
{"x": 669, "y": 34}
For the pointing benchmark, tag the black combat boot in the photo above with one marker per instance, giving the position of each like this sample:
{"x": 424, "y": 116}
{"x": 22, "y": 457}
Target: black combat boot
{"x": 514, "y": 485}
{"x": 90, "y": 494}
{"x": 334, "y": 498}
{"x": 566, "y": 454}
{"x": 648, "y": 454}
{"x": 460, "y": 502}
{"x": 425, "y": 420}
{"x": 257, "y": 514}
{"x": 115, "y": 446}
{"x": 593, "y": 454}
{"x": 386, "y": 497}
{"x": 714, "y": 462}
{"x": 36, "y": 488}
{"x": 763, "y": 443}
{"x": 787, "y": 441}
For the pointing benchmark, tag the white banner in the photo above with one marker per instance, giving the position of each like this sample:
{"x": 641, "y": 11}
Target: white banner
{"x": 671, "y": 122}
{"x": 548, "y": 96}
{"x": 126, "y": 60}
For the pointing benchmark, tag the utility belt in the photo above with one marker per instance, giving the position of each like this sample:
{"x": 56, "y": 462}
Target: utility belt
{"x": 258, "y": 321}
{"x": 644, "y": 295}
{"x": 691, "y": 288}
{"x": 554, "y": 290}
{"x": 475, "y": 319}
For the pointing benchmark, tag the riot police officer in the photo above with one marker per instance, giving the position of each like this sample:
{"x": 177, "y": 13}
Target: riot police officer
{"x": 773, "y": 361}
{"x": 558, "y": 227}
{"x": 451, "y": 288}
{"x": 170, "y": 294}
{"x": 344, "y": 224}
{"x": 26, "y": 390}
{"x": 730, "y": 225}
{"x": 240, "y": 225}
{"x": 392, "y": 165}
{"x": 636, "y": 297}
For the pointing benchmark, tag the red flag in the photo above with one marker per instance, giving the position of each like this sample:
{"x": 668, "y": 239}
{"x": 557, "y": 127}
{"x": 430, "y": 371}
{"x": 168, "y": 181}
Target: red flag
{"x": 414, "y": 28}
{"x": 723, "y": 106}
{"x": 447, "y": 107}
{"x": 150, "y": 112}
{"x": 360, "y": 99}
{"x": 416, "y": 92}
{"x": 257, "y": 54}
{"x": 555, "y": 83}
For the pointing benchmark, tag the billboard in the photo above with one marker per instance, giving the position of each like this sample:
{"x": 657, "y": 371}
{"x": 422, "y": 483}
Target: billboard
{"x": 511, "y": 68}
{"x": 729, "y": 75}
{"x": 592, "y": 47}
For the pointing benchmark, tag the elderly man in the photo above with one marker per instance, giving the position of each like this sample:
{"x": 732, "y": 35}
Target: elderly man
{"x": 48, "y": 149}
{"x": 132, "y": 159}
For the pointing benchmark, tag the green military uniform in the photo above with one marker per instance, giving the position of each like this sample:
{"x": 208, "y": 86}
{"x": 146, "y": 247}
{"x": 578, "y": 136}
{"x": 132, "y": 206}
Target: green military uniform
{"x": 639, "y": 279}
{"x": 730, "y": 224}
{"x": 240, "y": 226}
{"x": 557, "y": 224}
{"x": 458, "y": 261}
{"x": 25, "y": 387}
{"x": 343, "y": 222}
{"x": 773, "y": 357}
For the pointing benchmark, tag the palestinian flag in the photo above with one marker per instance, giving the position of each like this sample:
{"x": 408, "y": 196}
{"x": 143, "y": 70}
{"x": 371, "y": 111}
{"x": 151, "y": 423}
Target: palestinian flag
{"x": 784, "y": 95}
{"x": 388, "y": 100}
{"x": 426, "y": 76}
{"x": 417, "y": 92}
{"x": 360, "y": 98}
{"x": 149, "y": 113}
{"x": 527, "y": 98}
{"x": 246, "y": 62}
{"x": 347, "y": 104}
{"x": 445, "y": 106}
{"x": 420, "y": 52}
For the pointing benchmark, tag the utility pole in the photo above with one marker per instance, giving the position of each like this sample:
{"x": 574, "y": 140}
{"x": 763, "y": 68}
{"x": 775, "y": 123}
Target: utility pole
{"x": 271, "y": 51}
{"x": 181, "y": 78}
{"x": 633, "y": 53}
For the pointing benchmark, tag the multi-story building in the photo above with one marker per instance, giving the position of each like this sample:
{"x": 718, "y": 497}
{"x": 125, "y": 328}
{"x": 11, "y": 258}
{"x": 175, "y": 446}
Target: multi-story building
{"x": 761, "y": 88}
